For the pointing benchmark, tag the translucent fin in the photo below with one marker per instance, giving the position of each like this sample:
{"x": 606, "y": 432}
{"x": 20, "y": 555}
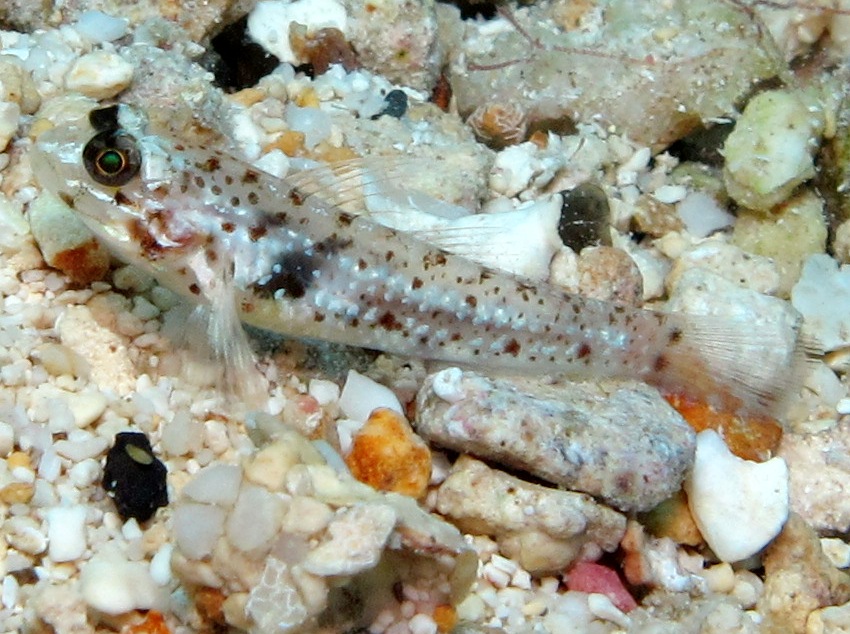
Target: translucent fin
{"x": 228, "y": 343}
{"x": 733, "y": 364}
{"x": 346, "y": 184}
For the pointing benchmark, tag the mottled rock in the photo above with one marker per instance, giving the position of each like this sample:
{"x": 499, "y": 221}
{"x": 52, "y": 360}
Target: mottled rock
{"x": 563, "y": 528}
{"x": 279, "y": 535}
{"x": 732, "y": 263}
{"x": 769, "y": 153}
{"x": 819, "y": 472}
{"x": 388, "y": 456}
{"x": 655, "y": 89}
{"x": 622, "y": 443}
{"x": 794, "y": 231}
{"x": 65, "y": 242}
{"x": 799, "y": 578}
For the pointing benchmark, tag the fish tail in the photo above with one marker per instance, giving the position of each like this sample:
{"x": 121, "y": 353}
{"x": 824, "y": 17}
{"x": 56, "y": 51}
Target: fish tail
{"x": 733, "y": 364}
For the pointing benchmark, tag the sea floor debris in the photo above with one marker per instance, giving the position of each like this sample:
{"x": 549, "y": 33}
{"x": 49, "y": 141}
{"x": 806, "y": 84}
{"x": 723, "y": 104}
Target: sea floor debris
{"x": 715, "y": 155}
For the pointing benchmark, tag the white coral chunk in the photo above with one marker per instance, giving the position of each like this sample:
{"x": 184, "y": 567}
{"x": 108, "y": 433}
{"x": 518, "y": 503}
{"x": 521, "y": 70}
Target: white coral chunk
{"x": 738, "y": 505}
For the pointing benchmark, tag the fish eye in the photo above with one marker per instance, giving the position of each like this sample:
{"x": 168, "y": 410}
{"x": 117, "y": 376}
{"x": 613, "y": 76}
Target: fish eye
{"x": 112, "y": 157}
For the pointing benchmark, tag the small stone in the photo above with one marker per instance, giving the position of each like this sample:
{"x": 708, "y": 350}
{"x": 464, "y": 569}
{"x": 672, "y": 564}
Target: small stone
{"x": 111, "y": 584}
{"x": 24, "y": 534}
{"x": 585, "y": 217}
{"x": 60, "y": 360}
{"x": 17, "y": 493}
{"x": 738, "y": 505}
{"x": 254, "y": 520}
{"x": 66, "y": 243}
{"x": 769, "y": 153}
{"x": 197, "y": 528}
{"x": 563, "y": 527}
{"x": 361, "y": 396}
{"x": 100, "y": 75}
{"x": 623, "y": 443}
{"x": 87, "y": 407}
{"x": 217, "y": 484}
{"x": 792, "y": 233}
{"x": 134, "y": 478}
{"x": 798, "y": 579}
{"x": 66, "y": 532}
{"x": 357, "y": 538}
{"x": 388, "y": 456}
{"x": 7, "y": 439}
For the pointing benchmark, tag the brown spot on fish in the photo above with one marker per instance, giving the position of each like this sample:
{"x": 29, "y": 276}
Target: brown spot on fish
{"x": 389, "y": 255}
{"x": 471, "y": 301}
{"x": 253, "y": 198}
{"x": 120, "y": 198}
{"x": 416, "y": 283}
{"x": 228, "y": 179}
{"x": 216, "y": 190}
{"x": 344, "y": 219}
{"x": 675, "y": 335}
{"x": 250, "y": 177}
{"x": 210, "y": 165}
{"x": 228, "y": 227}
{"x": 661, "y": 363}
{"x": 389, "y": 322}
{"x": 513, "y": 348}
{"x": 200, "y": 182}
{"x": 212, "y": 255}
{"x": 194, "y": 289}
{"x": 361, "y": 264}
{"x": 584, "y": 350}
{"x": 247, "y": 307}
{"x": 256, "y": 232}
{"x": 318, "y": 317}
{"x": 234, "y": 201}
{"x": 67, "y": 199}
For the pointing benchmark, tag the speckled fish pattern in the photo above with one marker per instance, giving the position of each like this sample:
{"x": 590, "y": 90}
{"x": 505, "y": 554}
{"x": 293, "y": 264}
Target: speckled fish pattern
{"x": 208, "y": 226}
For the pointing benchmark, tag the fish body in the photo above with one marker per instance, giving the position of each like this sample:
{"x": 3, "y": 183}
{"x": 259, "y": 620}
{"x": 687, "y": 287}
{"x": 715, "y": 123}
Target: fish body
{"x": 265, "y": 251}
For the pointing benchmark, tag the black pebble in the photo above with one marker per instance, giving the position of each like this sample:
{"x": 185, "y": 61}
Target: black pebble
{"x": 134, "y": 478}
{"x": 703, "y": 145}
{"x": 395, "y": 105}
{"x": 585, "y": 217}
{"x": 236, "y": 60}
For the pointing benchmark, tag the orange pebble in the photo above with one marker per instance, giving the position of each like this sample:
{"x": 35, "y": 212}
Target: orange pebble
{"x": 445, "y": 616}
{"x": 748, "y": 437}
{"x": 210, "y": 604}
{"x": 388, "y": 456}
{"x": 154, "y": 623}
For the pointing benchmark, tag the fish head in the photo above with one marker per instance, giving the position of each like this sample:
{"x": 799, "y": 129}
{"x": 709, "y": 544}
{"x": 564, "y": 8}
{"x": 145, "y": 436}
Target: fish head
{"x": 118, "y": 180}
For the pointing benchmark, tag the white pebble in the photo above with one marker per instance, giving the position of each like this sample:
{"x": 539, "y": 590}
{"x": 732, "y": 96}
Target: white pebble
{"x": 447, "y": 385}
{"x": 24, "y": 534}
{"x": 84, "y": 473}
{"x": 111, "y": 584}
{"x": 670, "y": 193}
{"x": 325, "y": 392}
{"x": 422, "y": 624}
{"x": 197, "y": 527}
{"x": 738, "y": 505}
{"x": 100, "y": 75}
{"x": 7, "y": 439}
{"x": 602, "y": 607}
{"x": 66, "y": 532}
{"x": 161, "y": 565}
{"x": 361, "y": 396}
{"x": 86, "y": 407}
{"x": 837, "y": 550}
{"x": 9, "y": 592}
{"x": 98, "y": 27}
{"x": 10, "y": 115}
{"x": 216, "y": 484}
